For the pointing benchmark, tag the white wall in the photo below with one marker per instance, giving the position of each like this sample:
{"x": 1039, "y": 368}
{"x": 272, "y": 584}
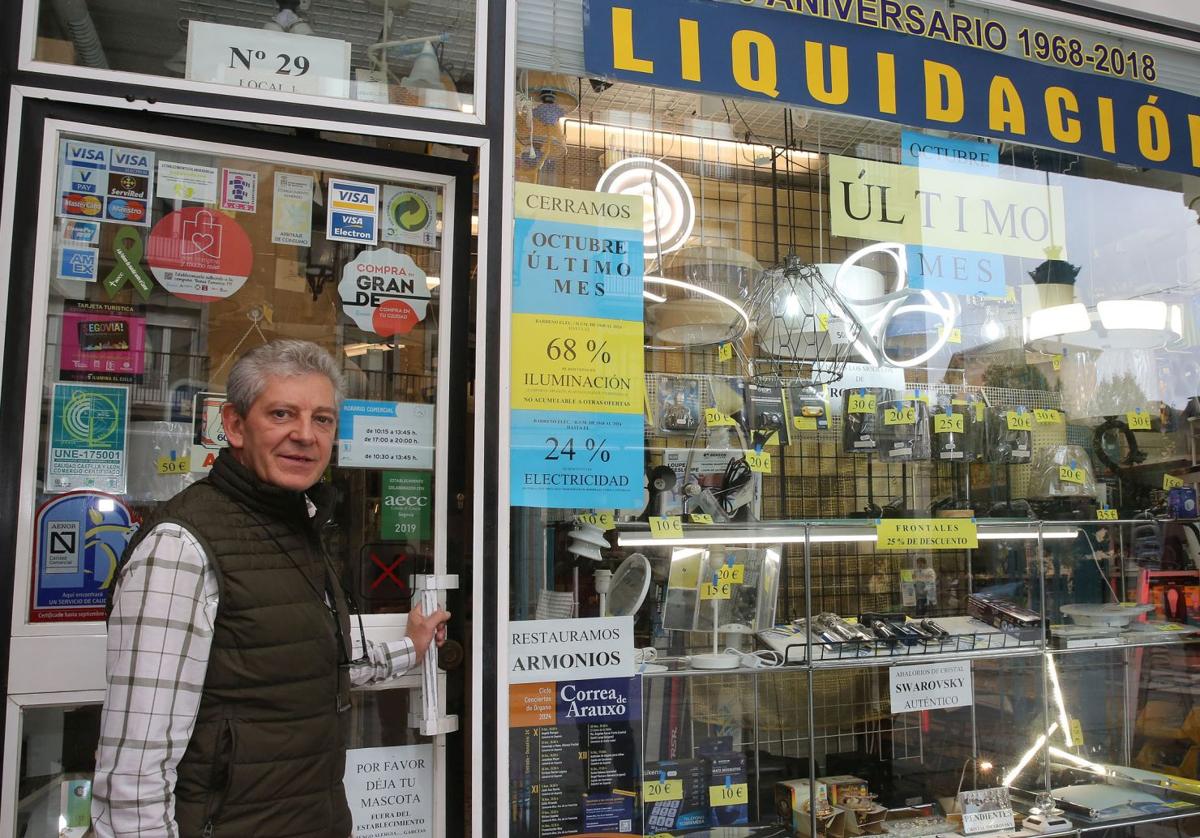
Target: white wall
{"x": 1181, "y": 13}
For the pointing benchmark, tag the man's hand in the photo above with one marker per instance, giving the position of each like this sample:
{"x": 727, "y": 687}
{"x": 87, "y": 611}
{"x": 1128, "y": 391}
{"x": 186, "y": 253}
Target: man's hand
{"x": 422, "y": 629}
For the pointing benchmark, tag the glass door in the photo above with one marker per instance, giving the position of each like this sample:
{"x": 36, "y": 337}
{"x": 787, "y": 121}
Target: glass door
{"x": 157, "y": 258}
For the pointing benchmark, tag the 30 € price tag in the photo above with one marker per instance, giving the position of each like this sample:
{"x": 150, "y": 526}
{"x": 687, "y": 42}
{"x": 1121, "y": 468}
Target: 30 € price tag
{"x": 948, "y": 423}
{"x": 1068, "y": 474}
{"x": 725, "y": 352}
{"x": 1020, "y": 420}
{"x": 1171, "y": 482}
{"x": 1076, "y": 732}
{"x": 1138, "y": 420}
{"x": 730, "y": 795}
{"x": 900, "y": 416}
{"x": 660, "y": 791}
{"x": 804, "y": 423}
{"x": 715, "y": 418}
{"x": 721, "y": 590}
{"x": 701, "y": 518}
{"x": 603, "y": 520}
{"x": 734, "y": 574}
{"x": 1047, "y": 417}
{"x": 1106, "y": 514}
{"x": 172, "y": 465}
{"x": 760, "y": 463}
{"x": 669, "y": 527}
{"x": 863, "y": 403}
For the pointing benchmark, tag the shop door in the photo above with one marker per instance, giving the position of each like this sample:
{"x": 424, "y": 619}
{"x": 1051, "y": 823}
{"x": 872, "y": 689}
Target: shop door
{"x": 148, "y": 255}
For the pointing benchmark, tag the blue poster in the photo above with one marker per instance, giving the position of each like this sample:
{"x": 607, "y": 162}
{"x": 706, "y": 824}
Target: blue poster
{"x": 79, "y": 538}
{"x": 563, "y": 460}
{"x": 88, "y": 427}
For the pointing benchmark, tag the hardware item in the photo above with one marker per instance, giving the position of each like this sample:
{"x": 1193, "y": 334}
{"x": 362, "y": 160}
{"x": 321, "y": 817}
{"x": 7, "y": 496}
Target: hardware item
{"x": 1133, "y": 454}
{"x": 935, "y": 629}
{"x": 1009, "y": 617}
{"x": 1181, "y": 502}
{"x": 1008, "y": 442}
{"x": 860, "y": 418}
{"x": 903, "y": 430}
{"x": 950, "y": 424}
{"x": 833, "y": 629}
{"x": 678, "y": 405}
{"x": 767, "y": 418}
{"x": 1062, "y": 471}
{"x": 1112, "y": 615}
{"x": 808, "y": 407}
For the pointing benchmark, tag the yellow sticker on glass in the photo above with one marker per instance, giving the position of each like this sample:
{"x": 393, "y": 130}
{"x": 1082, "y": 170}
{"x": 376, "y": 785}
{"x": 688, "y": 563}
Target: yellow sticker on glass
{"x": 1020, "y": 420}
{"x": 734, "y": 574}
{"x": 862, "y": 403}
{"x": 1138, "y": 420}
{"x": 1056, "y": 362}
{"x": 759, "y": 463}
{"x": 725, "y": 352}
{"x": 669, "y": 527}
{"x": 804, "y": 423}
{"x": 660, "y": 791}
{"x": 699, "y": 518}
{"x": 900, "y": 416}
{"x": 733, "y": 794}
{"x": 948, "y": 423}
{"x": 1076, "y": 732}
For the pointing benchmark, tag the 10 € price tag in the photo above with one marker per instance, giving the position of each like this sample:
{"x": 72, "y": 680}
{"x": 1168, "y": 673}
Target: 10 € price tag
{"x": 603, "y": 520}
{"x": 662, "y": 790}
{"x": 1020, "y": 420}
{"x": 1171, "y": 482}
{"x": 715, "y": 418}
{"x": 730, "y": 795}
{"x": 721, "y": 590}
{"x": 669, "y": 527}
{"x": 171, "y": 465}
{"x": 760, "y": 463}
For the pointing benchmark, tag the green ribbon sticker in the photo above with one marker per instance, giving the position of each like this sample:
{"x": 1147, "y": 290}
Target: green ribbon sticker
{"x": 127, "y": 250}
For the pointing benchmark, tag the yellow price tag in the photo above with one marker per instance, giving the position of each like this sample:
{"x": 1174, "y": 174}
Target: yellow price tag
{"x": 656, "y": 792}
{"x": 169, "y": 465}
{"x": 721, "y": 590}
{"x": 1010, "y": 294}
{"x": 1056, "y": 362}
{"x": 715, "y": 418}
{"x": 730, "y": 795}
{"x": 700, "y": 518}
{"x": 1047, "y": 417}
{"x": 760, "y": 463}
{"x": 1076, "y": 732}
{"x": 1071, "y": 475}
{"x": 1171, "y": 627}
{"x": 734, "y": 574}
{"x": 955, "y": 334}
{"x": 948, "y": 423}
{"x": 862, "y": 404}
{"x": 669, "y": 527}
{"x": 1020, "y": 420}
{"x": 1106, "y": 514}
{"x": 917, "y": 396}
{"x": 823, "y": 322}
{"x": 1171, "y": 482}
{"x": 725, "y": 352}
{"x": 980, "y": 411}
{"x": 804, "y": 423}
{"x": 603, "y": 520}
{"x": 900, "y": 416}
{"x": 1178, "y": 804}
{"x": 1138, "y": 420}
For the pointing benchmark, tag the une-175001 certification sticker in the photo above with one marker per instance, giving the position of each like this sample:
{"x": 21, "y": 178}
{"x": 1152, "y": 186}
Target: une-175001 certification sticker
{"x": 88, "y": 427}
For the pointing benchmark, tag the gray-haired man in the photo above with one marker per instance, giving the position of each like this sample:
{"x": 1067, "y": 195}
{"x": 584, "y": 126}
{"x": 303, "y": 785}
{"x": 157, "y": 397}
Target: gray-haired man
{"x": 229, "y": 662}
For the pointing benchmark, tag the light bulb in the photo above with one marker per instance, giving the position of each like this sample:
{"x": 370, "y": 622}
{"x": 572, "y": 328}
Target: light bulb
{"x": 993, "y": 329}
{"x": 791, "y": 306}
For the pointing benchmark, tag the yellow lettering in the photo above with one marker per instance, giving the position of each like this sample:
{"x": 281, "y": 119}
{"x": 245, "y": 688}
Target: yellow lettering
{"x": 744, "y": 64}
{"x": 623, "y": 57}
{"x": 837, "y": 91}
{"x": 689, "y": 49}
{"x": 1154, "y": 138}
{"x": 943, "y": 105}
{"x": 1058, "y": 100}
{"x": 1108, "y": 133}
{"x": 886, "y": 64}
{"x": 1005, "y": 109}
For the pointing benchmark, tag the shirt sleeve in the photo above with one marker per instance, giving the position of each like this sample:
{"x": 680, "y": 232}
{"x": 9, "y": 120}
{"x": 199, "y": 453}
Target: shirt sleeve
{"x": 159, "y": 638}
{"x": 383, "y": 661}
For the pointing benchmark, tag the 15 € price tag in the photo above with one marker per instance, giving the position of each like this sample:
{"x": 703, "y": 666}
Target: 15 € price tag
{"x": 1171, "y": 482}
{"x": 172, "y": 465}
{"x": 900, "y": 416}
{"x": 861, "y": 403}
{"x": 700, "y": 518}
{"x": 721, "y": 590}
{"x": 1138, "y": 420}
{"x": 603, "y": 520}
{"x": 1068, "y": 474}
{"x": 1020, "y": 420}
{"x": 669, "y": 527}
{"x": 760, "y": 463}
{"x": 734, "y": 574}
{"x": 715, "y": 418}
{"x": 660, "y": 791}
{"x": 1106, "y": 514}
{"x": 1047, "y": 417}
{"x": 948, "y": 423}
{"x": 730, "y": 795}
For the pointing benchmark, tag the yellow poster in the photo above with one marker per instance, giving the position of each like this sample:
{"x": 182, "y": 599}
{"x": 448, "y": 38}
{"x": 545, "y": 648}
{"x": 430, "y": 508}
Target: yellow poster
{"x": 926, "y": 534}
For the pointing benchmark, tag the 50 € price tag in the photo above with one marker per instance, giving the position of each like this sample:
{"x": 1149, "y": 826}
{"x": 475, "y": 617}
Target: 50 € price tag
{"x": 603, "y": 520}
{"x": 1047, "y": 417}
{"x": 1138, "y": 420}
{"x": 900, "y": 416}
{"x": 1020, "y": 420}
{"x": 721, "y": 590}
{"x": 861, "y": 403}
{"x": 760, "y": 463}
{"x": 171, "y": 465}
{"x": 657, "y": 792}
{"x": 730, "y": 795}
{"x": 1171, "y": 482}
{"x": 714, "y": 418}
{"x": 948, "y": 423}
{"x": 1106, "y": 514}
{"x": 669, "y": 527}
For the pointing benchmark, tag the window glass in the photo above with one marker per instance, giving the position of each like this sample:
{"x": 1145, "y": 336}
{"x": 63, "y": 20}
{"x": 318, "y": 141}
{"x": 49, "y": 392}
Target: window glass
{"x": 382, "y": 52}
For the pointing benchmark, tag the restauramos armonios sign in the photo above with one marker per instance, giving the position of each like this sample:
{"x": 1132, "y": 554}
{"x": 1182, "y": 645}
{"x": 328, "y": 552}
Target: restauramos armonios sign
{"x": 888, "y": 73}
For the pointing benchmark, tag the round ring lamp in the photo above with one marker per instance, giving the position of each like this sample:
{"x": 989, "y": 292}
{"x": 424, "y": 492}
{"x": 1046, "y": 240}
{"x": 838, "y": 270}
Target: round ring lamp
{"x": 701, "y": 296}
{"x": 669, "y": 210}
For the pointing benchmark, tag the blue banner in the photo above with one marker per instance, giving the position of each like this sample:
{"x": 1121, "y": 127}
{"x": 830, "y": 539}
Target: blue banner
{"x": 781, "y": 55}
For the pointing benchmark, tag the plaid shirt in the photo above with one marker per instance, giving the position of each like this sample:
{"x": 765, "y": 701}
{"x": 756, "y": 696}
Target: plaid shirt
{"x": 159, "y": 637}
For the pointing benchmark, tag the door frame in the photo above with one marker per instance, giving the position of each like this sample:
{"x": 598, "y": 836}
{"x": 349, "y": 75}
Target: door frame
{"x": 78, "y": 648}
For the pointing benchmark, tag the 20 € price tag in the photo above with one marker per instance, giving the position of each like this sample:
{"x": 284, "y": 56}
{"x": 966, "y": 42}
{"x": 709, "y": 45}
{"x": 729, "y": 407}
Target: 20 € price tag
{"x": 900, "y": 416}
{"x": 1171, "y": 482}
{"x": 657, "y": 792}
{"x": 1067, "y": 474}
{"x": 734, "y": 574}
{"x": 760, "y": 463}
{"x": 669, "y": 527}
{"x": 1047, "y": 417}
{"x": 730, "y": 795}
{"x": 700, "y": 518}
{"x": 721, "y": 590}
{"x": 1138, "y": 420}
{"x": 861, "y": 403}
{"x": 1019, "y": 420}
{"x": 603, "y": 520}
{"x": 171, "y": 465}
{"x": 1106, "y": 514}
{"x": 948, "y": 423}
{"x": 715, "y": 418}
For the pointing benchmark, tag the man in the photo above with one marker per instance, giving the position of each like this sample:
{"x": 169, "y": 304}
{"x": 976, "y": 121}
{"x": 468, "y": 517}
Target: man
{"x": 229, "y": 646}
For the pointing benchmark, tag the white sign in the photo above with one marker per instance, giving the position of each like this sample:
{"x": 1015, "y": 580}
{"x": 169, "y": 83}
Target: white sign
{"x": 352, "y": 212}
{"x": 931, "y": 686}
{"x": 390, "y": 791}
{"x": 409, "y": 216}
{"x": 291, "y": 209}
{"x": 385, "y": 435}
{"x": 985, "y": 810}
{"x": 185, "y": 182}
{"x": 857, "y": 376}
{"x": 384, "y": 292}
{"x": 570, "y": 650}
{"x": 262, "y": 59}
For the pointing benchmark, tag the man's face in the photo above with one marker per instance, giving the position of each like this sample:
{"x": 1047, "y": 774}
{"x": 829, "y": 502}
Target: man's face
{"x": 287, "y": 437}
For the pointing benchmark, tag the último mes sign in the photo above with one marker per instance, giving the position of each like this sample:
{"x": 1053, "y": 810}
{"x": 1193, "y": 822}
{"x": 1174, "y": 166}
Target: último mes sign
{"x": 926, "y": 534}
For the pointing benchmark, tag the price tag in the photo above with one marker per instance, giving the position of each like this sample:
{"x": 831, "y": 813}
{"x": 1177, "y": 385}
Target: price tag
{"x": 603, "y": 520}
{"x": 729, "y": 795}
{"x": 980, "y": 411}
{"x": 1070, "y": 474}
{"x": 715, "y": 418}
{"x": 1020, "y": 420}
{"x": 862, "y": 403}
{"x": 1178, "y": 804}
{"x": 1171, "y": 482}
{"x": 760, "y": 463}
{"x": 1076, "y": 732}
{"x": 725, "y": 352}
{"x": 1010, "y": 294}
{"x": 669, "y": 527}
{"x": 1047, "y": 417}
{"x": 1056, "y": 362}
{"x": 721, "y": 590}
{"x": 1171, "y": 627}
{"x": 172, "y": 465}
{"x": 656, "y": 792}
{"x": 1138, "y": 420}
{"x": 900, "y": 416}
{"x": 948, "y": 423}
{"x": 955, "y": 334}
{"x": 734, "y": 574}
{"x": 699, "y": 518}
{"x": 917, "y": 396}
{"x": 1106, "y": 514}
{"x": 804, "y": 423}
{"x": 823, "y": 322}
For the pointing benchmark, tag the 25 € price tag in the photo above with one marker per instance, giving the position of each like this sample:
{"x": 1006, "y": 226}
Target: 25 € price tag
{"x": 1020, "y": 420}
{"x": 1138, "y": 420}
{"x": 948, "y": 423}
{"x": 721, "y": 590}
{"x": 1047, "y": 417}
{"x": 1171, "y": 482}
{"x": 715, "y": 418}
{"x": 734, "y": 574}
{"x": 660, "y": 791}
{"x": 171, "y": 465}
{"x": 603, "y": 520}
{"x": 861, "y": 403}
{"x": 760, "y": 463}
{"x": 1106, "y": 514}
{"x": 900, "y": 416}
{"x": 1067, "y": 474}
{"x": 669, "y": 527}
{"x": 725, "y": 352}
{"x": 700, "y": 518}
{"x": 730, "y": 795}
